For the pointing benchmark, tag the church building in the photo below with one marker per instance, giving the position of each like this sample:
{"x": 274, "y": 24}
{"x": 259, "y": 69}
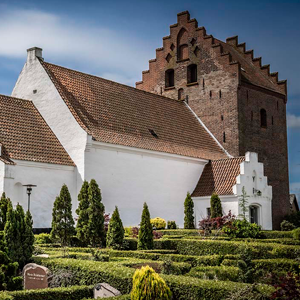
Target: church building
{"x": 207, "y": 117}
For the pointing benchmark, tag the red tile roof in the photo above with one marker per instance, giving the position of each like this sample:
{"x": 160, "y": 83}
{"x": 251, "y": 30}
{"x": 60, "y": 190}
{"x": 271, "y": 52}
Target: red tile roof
{"x": 24, "y": 134}
{"x": 218, "y": 176}
{"x": 118, "y": 114}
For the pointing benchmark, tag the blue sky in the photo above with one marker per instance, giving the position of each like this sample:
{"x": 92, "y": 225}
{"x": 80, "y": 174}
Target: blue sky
{"x": 115, "y": 40}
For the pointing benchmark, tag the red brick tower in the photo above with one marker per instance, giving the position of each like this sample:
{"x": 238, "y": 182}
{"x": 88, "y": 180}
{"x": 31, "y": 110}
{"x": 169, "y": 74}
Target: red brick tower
{"x": 238, "y": 99}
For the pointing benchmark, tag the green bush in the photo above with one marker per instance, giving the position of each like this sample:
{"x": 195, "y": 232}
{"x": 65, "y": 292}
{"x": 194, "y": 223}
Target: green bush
{"x": 115, "y": 233}
{"x": 171, "y": 225}
{"x": 99, "y": 255}
{"x": 145, "y": 239}
{"x": 268, "y": 234}
{"x": 68, "y": 293}
{"x": 287, "y": 226}
{"x": 42, "y": 238}
{"x": 158, "y": 223}
{"x": 294, "y": 218}
{"x": 148, "y": 285}
{"x": 123, "y": 297}
{"x": 215, "y": 206}
{"x": 296, "y": 233}
{"x": 216, "y": 272}
{"x": 242, "y": 229}
{"x": 189, "y": 212}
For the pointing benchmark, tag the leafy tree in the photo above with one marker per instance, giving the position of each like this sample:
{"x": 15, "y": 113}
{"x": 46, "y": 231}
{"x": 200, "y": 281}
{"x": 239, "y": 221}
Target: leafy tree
{"x": 215, "y": 206}
{"x": 148, "y": 285}
{"x": 28, "y": 238}
{"x": 115, "y": 233}
{"x": 189, "y": 212}
{"x": 3, "y": 210}
{"x": 145, "y": 238}
{"x": 243, "y": 203}
{"x": 82, "y": 212}
{"x": 95, "y": 227}
{"x": 62, "y": 220}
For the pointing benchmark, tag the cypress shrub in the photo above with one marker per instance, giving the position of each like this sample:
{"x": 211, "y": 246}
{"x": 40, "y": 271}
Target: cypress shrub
{"x": 189, "y": 212}
{"x": 82, "y": 212}
{"x": 95, "y": 226}
{"x": 4, "y": 203}
{"x": 115, "y": 233}
{"x": 145, "y": 238}
{"x": 148, "y": 285}
{"x": 62, "y": 220}
{"x": 28, "y": 238}
{"x": 215, "y": 206}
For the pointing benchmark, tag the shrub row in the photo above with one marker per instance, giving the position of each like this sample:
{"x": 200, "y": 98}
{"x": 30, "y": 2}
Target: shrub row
{"x": 123, "y": 297}
{"x": 210, "y": 247}
{"x": 182, "y": 287}
{"x": 67, "y": 293}
{"x": 268, "y": 234}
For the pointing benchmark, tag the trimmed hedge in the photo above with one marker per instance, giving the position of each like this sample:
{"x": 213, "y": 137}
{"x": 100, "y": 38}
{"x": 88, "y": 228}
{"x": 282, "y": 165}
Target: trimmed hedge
{"x": 67, "y": 293}
{"x": 123, "y": 297}
{"x": 224, "y": 273}
{"x": 211, "y": 247}
{"x": 277, "y": 234}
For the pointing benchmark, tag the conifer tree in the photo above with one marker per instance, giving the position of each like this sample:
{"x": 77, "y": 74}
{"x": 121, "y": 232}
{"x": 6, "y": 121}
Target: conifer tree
{"x": 3, "y": 210}
{"x": 189, "y": 212}
{"x": 95, "y": 227}
{"x": 215, "y": 206}
{"x": 20, "y": 220}
{"x": 28, "y": 238}
{"x": 62, "y": 220}
{"x": 82, "y": 212}
{"x": 145, "y": 238}
{"x": 115, "y": 233}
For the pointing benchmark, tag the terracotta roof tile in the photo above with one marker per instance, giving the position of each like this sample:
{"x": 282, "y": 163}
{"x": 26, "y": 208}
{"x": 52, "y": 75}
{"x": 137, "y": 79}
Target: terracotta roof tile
{"x": 118, "y": 114}
{"x": 25, "y": 135}
{"x": 218, "y": 176}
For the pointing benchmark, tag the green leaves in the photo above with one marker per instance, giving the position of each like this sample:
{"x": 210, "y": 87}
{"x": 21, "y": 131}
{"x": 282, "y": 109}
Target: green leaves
{"x": 115, "y": 233}
{"x": 215, "y": 206}
{"x": 189, "y": 212}
{"x": 62, "y": 220}
{"x": 145, "y": 238}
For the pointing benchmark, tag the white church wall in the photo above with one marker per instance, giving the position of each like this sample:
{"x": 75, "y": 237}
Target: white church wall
{"x": 49, "y": 179}
{"x": 34, "y": 84}
{"x": 2, "y": 170}
{"x": 128, "y": 177}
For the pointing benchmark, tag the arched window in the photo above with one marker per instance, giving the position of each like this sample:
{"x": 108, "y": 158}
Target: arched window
{"x": 192, "y": 73}
{"x": 180, "y": 94}
{"x": 182, "y": 45}
{"x": 169, "y": 78}
{"x": 263, "y": 118}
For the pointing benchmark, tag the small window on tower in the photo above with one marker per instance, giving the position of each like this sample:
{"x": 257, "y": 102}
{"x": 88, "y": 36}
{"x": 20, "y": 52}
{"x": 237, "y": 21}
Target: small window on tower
{"x": 224, "y": 137}
{"x": 180, "y": 94}
{"x": 220, "y": 94}
{"x": 169, "y": 78}
{"x": 210, "y": 94}
{"x": 263, "y": 118}
{"x": 192, "y": 74}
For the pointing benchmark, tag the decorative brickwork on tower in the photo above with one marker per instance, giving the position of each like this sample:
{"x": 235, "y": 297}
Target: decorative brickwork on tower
{"x": 238, "y": 99}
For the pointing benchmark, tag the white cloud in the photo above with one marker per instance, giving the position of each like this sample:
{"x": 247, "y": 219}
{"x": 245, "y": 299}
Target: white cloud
{"x": 92, "y": 48}
{"x": 293, "y": 121}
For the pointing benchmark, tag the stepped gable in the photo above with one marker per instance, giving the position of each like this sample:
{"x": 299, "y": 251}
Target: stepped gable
{"x": 118, "y": 114}
{"x": 218, "y": 176}
{"x": 25, "y": 135}
{"x": 230, "y": 54}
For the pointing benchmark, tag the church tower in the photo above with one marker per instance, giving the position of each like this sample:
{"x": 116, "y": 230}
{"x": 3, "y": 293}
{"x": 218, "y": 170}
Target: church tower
{"x": 237, "y": 98}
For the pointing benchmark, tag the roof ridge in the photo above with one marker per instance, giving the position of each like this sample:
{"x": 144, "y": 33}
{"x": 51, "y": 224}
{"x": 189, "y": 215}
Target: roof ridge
{"x": 114, "y": 82}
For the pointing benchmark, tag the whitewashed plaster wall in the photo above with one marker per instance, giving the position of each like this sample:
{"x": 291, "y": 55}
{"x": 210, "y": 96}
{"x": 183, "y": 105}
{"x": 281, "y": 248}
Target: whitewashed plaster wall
{"x": 2, "y": 172}
{"x": 49, "y": 179}
{"x": 252, "y": 178}
{"x": 128, "y": 177}
{"x": 53, "y": 109}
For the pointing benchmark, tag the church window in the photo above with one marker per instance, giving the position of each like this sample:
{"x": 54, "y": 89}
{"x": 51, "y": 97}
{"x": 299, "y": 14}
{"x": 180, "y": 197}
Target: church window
{"x": 168, "y": 57}
{"x": 180, "y": 94}
{"x": 153, "y": 133}
{"x": 224, "y": 137}
{"x": 169, "y": 78}
{"x": 34, "y": 91}
{"x": 222, "y": 118}
{"x": 203, "y": 83}
{"x": 220, "y": 94}
{"x": 182, "y": 46}
{"x": 172, "y": 47}
{"x": 210, "y": 94}
{"x": 192, "y": 73}
{"x": 263, "y": 118}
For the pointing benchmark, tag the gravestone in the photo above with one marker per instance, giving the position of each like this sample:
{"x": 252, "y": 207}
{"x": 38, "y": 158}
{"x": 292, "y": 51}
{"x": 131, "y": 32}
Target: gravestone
{"x": 104, "y": 290}
{"x": 35, "y": 277}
